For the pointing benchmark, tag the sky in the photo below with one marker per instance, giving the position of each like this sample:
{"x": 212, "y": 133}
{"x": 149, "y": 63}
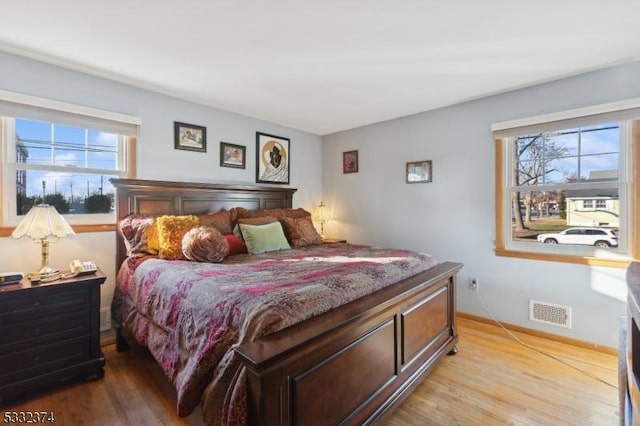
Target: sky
{"x": 596, "y": 149}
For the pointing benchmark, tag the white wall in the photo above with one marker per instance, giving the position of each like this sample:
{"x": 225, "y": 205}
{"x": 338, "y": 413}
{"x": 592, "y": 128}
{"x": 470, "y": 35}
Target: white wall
{"x": 156, "y": 156}
{"x": 454, "y": 217}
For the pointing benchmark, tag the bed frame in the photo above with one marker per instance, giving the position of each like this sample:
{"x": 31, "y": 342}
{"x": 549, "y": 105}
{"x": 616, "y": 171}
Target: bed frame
{"x": 351, "y": 365}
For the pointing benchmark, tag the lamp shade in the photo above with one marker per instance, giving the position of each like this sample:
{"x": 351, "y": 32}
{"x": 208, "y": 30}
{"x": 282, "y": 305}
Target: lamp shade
{"x": 43, "y": 221}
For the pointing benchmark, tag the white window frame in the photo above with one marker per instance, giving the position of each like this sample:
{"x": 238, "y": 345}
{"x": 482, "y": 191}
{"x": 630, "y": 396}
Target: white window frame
{"x": 627, "y": 184}
{"x": 41, "y": 109}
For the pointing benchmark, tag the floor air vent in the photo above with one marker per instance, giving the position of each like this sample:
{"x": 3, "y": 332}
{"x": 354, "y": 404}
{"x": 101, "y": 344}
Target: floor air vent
{"x": 550, "y": 313}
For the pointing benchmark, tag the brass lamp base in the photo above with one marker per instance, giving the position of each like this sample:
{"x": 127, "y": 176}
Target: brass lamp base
{"x": 47, "y": 270}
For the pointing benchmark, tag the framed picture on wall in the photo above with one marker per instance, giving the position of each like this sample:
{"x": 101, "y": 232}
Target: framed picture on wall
{"x": 232, "y": 155}
{"x": 273, "y": 158}
{"x": 419, "y": 171}
{"x": 189, "y": 137}
{"x": 350, "y": 162}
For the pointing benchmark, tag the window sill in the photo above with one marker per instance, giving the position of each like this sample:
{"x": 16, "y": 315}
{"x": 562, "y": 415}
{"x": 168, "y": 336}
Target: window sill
{"x": 79, "y": 229}
{"x": 579, "y": 260}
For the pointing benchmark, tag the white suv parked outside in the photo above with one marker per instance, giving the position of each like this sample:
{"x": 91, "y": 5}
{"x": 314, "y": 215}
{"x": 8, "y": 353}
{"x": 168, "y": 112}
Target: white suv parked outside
{"x": 599, "y": 237}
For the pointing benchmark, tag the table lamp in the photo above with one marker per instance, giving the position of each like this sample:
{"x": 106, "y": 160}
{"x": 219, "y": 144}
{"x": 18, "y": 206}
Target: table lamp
{"x": 323, "y": 215}
{"x": 45, "y": 225}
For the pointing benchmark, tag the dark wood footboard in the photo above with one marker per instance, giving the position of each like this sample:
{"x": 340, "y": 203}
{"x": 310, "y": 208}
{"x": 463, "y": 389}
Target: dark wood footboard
{"x": 352, "y": 365}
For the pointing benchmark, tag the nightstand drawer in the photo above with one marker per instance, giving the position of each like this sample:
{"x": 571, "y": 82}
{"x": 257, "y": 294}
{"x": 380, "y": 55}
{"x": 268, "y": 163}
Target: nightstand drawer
{"x": 39, "y": 331}
{"x": 23, "y": 364}
{"x": 37, "y": 302}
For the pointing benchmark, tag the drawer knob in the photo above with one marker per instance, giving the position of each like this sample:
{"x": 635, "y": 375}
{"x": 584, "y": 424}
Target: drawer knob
{"x": 36, "y": 358}
{"x": 36, "y": 332}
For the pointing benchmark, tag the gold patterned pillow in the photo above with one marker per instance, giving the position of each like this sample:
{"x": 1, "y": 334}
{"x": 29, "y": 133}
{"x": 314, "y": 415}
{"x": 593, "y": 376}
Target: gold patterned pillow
{"x": 151, "y": 235}
{"x": 301, "y": 231}
{"x": 171, "y": 230}
{"x": 139, "y": 234}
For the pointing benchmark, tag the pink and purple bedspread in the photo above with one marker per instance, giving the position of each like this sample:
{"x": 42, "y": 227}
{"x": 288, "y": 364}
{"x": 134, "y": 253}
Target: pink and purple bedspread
{"x": 192, "y": 315}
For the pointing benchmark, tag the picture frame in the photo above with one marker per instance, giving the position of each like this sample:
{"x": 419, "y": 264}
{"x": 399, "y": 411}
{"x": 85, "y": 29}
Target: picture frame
{"x": 350, "y": 162}
{"x": 419, "y": 171}
{"x": 189, "y": 137}
{"x": 232, "y": 155}
{"x": 273, "y": 158}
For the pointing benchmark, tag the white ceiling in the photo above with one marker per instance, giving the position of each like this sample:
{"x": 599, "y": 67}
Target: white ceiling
{"x": 326, "y": 65}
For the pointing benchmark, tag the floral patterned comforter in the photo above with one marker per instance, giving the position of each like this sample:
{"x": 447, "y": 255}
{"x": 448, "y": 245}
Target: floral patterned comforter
{"x": 192, "y": 315}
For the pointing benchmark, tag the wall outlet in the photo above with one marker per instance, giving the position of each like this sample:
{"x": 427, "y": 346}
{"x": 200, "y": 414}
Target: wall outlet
{"x": 473, "y": 284}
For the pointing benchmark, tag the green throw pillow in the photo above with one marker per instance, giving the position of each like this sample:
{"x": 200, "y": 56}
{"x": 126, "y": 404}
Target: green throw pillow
{"x": 264, "y": 238}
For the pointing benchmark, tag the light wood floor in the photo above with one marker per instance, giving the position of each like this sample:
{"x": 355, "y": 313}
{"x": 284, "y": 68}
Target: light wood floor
{"x": 491, "y": 381}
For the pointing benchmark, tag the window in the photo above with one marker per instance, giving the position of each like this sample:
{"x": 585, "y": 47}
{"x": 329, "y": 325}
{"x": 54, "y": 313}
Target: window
{"x": 565, "y": 186}
{"x": 63, "y": 157}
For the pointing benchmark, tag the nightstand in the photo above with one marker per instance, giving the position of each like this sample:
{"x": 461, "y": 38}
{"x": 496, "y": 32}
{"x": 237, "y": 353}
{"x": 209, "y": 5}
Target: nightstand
{"x": 333, "y": 241}
{"x": 50, "y": 332}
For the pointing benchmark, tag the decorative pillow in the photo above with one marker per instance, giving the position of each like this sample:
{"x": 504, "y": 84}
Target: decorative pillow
{"x": 277, "y": 213}
{"x": 242, "y": 213}
{"x": 264, "y": 238}
{"x": 296, "y": 213}
{"x": 220, "y": 220}
{"x": 239, "y": 213}
{"x": 204, "y": 244}
{"x": 139, "y": 233}
{"x": 263, "y": 220}
{"x": 171, "y": 230}
{"x": 236, "y": 245}
{"x": 252, "y": 221}
{"x": 301, "y": 231}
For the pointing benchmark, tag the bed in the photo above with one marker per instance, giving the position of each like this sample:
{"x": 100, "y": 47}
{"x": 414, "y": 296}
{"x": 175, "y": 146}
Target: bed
{"x": 350, "y": 361}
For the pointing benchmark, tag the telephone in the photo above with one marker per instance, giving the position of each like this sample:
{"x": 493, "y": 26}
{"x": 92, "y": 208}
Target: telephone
{"x": 78, "y": 267}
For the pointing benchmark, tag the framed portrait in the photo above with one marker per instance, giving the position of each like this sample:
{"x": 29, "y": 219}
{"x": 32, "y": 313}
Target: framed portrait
{"x": 232, "y": 155}
{"x": 273, "y": 158}
{"x": 419, "y": 171}
{"x": 190, "y": 137}
{"x": 350, "y": 162}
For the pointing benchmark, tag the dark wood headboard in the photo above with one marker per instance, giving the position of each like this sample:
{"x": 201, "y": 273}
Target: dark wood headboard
{"x": 157, "y": 198}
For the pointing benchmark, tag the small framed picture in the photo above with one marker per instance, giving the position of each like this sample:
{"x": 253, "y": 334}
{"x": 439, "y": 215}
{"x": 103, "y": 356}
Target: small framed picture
{"x": 273, "y": 158}
{"x": 419, "y": 171}
{"x": 190, "y": 137}
{"x": 232, "y": 155}
{"x": 350, "y": 162}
